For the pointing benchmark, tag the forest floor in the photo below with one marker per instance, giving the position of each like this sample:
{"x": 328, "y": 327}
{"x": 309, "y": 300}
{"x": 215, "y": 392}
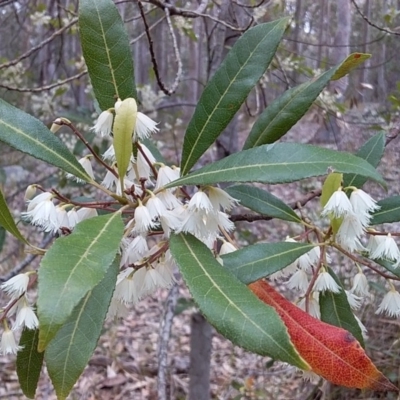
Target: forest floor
{"x": 124, "y": 366}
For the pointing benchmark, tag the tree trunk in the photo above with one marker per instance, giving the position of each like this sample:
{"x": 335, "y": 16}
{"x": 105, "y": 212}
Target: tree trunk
{"x": 200, "y": 356}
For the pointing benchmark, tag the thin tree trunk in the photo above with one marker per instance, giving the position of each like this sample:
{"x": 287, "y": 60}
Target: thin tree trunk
{"x": 200, "y": 356}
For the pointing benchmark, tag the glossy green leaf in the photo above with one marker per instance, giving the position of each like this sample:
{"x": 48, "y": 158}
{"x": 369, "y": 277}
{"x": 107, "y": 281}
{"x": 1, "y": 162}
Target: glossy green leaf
{"x": 335, "y": 310}
{"x": 228, "y": 88}
{"x": 261, "y": 260}
{"x": 278, "y": 163}
{"x": 124, "y": 124}
{"x": 27, "y": 134}
{"x": 389, "y": 211}
{"x": 69, "y": 352}
{"x": 107, "y": 53}
{"x": 371, "y": 151}
{"x": 229, "y": 305}
{"x": 262, "y": 202}
{"x": 72, "y": 267}
{"x": 286, "y": 110}
{"x": 29, "y": 362}
{"x": 7, "y": 220}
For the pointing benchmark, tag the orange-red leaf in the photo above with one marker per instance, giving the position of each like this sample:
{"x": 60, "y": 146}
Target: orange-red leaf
{"x": 331, "y": 352}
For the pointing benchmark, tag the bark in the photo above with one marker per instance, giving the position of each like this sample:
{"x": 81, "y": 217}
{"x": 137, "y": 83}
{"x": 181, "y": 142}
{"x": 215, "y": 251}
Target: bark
{"x": 200, "y": 355}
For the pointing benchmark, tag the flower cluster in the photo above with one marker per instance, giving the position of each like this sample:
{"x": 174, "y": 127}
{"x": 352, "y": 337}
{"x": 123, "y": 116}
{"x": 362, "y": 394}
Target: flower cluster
{"x": 19, "y": 307}
{"x": 355, "y": 213}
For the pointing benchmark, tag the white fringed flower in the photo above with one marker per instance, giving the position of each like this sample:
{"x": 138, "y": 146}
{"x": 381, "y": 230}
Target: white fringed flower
{"x": 349, "y": 232}
{"x": 16, "y": 286}
{"x": 8, "y": 345}
{"x": 200, "y": 202}
{"x": 133, "y": 251}
{"x": 155, "y": 206}
{"x": 219, "y": 198}
{"x": 26, "y": 317}
{"x": 126, "y": 290}
{"x": 43, "y": 215}
{"x": 325, "y": 282}
{"x": 73, "y": 218}
{"x": 40, "y": 198}
{"x": 104, "y": 123}
{"x": 390, "y": 304}
{"x": 354, "y": 300}
{"x": 145, "y": 126}
{"x": 87, "y": 166}
{"x": 86, "y": 213}
{"x": 387, "y": 248}
{"x": 299, "y": 280}
{"x": 360, "y": 285}
{"x": 143, "y": 220}
{"x": 166, "y": 175}
{"x": 338, "y": 205}
{"x": 363, "y": 205}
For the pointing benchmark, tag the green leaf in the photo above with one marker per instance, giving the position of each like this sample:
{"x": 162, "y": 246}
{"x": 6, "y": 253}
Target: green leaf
{"x": 335, "y": 310}
{"x": 229, "y": 305}
{"x": 286, "y": 110}
{"x": 228, "y": 88}
{"x": 69, "y": 352}
{"x": 72, "y": 267}
{"x": 29, "y": 362}
{"x": 278, "y": 163}
{"x": 351, "y": 62}
{"x": 331, "y": 184}
{"x": 7, "y": 221}
{"x": 124, "y": 124}
{"x": 27, "y": 134}
{"x": 371, "y": 151}
{"x": 262, "y": 202}
{"x": 389, "y": 211}
{"x": 261, "y": 260}
{"x": 107, "y": 53}
{"x": 389, "y": 265}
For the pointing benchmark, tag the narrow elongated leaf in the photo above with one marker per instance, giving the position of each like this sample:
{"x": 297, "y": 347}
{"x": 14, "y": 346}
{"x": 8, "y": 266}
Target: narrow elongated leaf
{"x": 229, "y": 305}
{"x": 72, "y": 267}
{"x": 332, "y": 183}
{"x": 335, "y": 310}
{"x": 389, "y": 211}
{"x": 107, "y": 53}
{"x": 29, "y": 362}
{"x": 262, "y": 202}
{"x": 124, "y": 124}
{"x": 261, "y": 260}
{"x": 351, "y": 62}
{"x": 278, "y": 163}
{"x": 286, "y": 110}
{"x": 228, "y": 88}
{"x": 7, "y": 221}
{"x": 331, "y": 352}
{"x": 69, "y": 352}
{"x": 27, "y": 134}
{"x": 372, "y": 151}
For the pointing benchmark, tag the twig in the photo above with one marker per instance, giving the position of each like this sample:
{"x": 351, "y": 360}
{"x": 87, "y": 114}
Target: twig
{"x": 369, "y": 22}
{"x": 365, "y": 262}
{"x": 175, "y": 84}
{"x": 28, "y": 259}
{"x": 39, "y": 46}
{"x": 47, "y": 87}
{"x": 165, "y": 333}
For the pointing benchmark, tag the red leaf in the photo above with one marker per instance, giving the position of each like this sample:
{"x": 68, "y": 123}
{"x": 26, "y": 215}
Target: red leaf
{"x": 331, "y": 352}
